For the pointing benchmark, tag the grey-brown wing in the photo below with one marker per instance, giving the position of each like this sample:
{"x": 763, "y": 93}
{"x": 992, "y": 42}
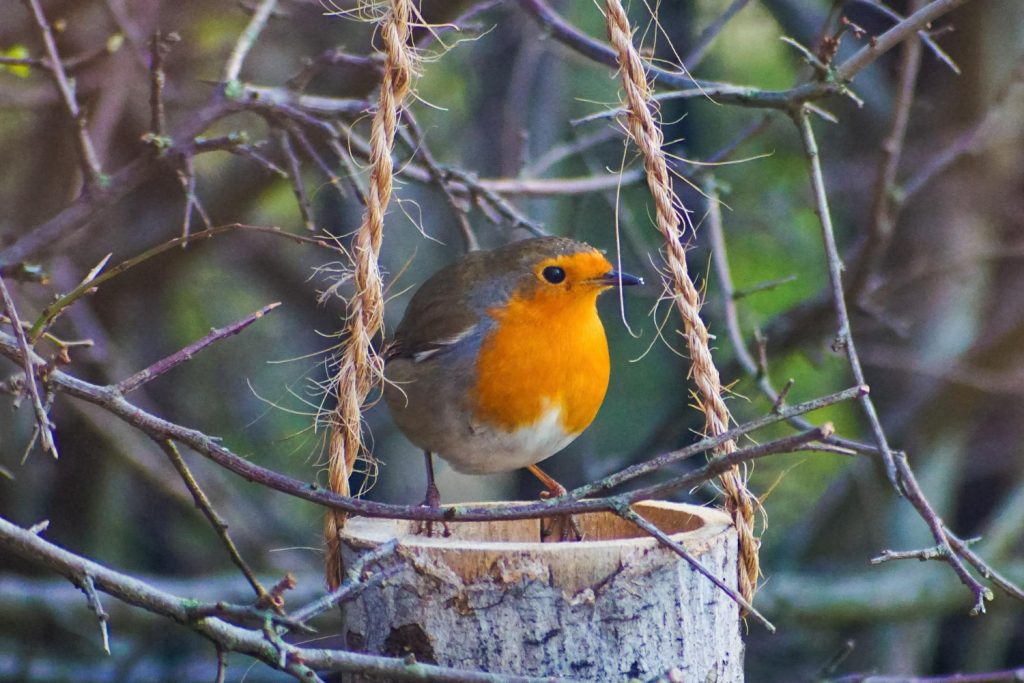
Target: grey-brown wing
{"x": 440, "y": 314}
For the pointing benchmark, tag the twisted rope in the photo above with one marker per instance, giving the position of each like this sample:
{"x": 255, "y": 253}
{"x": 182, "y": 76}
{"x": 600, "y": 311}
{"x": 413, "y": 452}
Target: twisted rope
{"x": 644, "y": 131}
{"x": 360, "y": 368}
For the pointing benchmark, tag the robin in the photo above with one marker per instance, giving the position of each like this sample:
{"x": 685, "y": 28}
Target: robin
{"x": 501, "y": 359}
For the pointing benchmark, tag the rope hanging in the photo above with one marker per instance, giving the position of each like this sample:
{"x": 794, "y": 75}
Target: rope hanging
{"x": 646, "y": 133}
{"x": 359, "y": 369}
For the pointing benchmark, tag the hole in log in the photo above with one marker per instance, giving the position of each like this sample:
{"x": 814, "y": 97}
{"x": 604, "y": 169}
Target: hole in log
{"x": 509, "y": 553}
{"x": 597, "y": 527}
{"x": 410, "y": 639}
{"x": 605, "y": 526}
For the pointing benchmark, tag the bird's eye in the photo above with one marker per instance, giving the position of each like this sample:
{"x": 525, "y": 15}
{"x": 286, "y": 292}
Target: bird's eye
{"x": 553, "y": 274}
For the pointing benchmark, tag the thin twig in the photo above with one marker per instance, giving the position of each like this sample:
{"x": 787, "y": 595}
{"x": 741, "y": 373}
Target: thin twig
{"x": 727, "y": 93}
{"x": 90, "y": 163}
{"x": 707, "y": 37}
{"x": 491, "y": 194}
{"x": 936, "y": 552}
{"x": 923, "y": 35}
{"x": 299, "y": 135}
{"x": 244, "y": 615}
{"x": 494, "y": 190}
{"x": 159, "y": 47}
{"x": 133, "y": 174}
{"x": 709, "y": 443}
{"x": 803, "y": 441}
{"x": 222, "y": 663}
{"x": 560, "y": 152}
{"x": 883, "y": 207}
{"x": 916, "y": 497}
{"x": 246, "y": 40}
{"x": 1003, "y": 583}
{"x": 311, "y": 66}
{"x": 1005, "y": 676}
{"x": 216, "y": 521}
{"x": 89, "y": 588}
{"x": 354, "y": 582}
{"x": 413, "y": 135}
{"x": 844, "y": 336}
{"x": 724, "y": 274}
{"x": 186, "y": 173}
{"x": 295, "y": 175}
{"x": 317, "y": 105}
{"x": 54, "y": 309}
{"x": 43, "y": 423}
{"x": 756, "y": 368}
{"x": 894, "y": 36}
{"x": 642, "y": 523}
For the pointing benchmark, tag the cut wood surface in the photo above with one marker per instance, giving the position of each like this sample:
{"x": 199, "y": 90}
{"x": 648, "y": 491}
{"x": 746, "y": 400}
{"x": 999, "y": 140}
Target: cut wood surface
{"x": 616, "y": 605}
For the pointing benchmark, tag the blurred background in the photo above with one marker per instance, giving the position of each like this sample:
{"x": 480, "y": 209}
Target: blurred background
{"x": 938, "y": 314}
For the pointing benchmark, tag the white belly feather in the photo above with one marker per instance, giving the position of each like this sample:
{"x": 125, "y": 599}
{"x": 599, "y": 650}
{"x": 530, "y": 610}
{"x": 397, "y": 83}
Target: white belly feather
{"x": 494, "y": 450}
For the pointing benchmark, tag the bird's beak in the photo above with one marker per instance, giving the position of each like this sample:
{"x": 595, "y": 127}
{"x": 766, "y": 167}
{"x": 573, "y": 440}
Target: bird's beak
{"x": 616, "y": 279}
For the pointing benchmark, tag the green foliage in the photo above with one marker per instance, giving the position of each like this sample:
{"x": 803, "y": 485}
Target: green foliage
{"x": 16, "y": 52}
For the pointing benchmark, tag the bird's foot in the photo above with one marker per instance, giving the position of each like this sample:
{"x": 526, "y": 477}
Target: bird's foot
{"x": 561, "y": 528}
{"x": 431, "y": 502}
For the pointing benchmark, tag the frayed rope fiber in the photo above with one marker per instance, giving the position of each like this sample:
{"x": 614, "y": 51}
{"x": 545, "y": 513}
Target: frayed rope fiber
{"x": 359, "y": 369}
{"x": 647, "y": 135}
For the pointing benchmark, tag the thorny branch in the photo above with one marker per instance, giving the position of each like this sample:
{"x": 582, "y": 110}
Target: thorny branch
{"x": 844, "y": 335}
{"x": 899, "y": 471}
{"x": 43, "y": 425}
{"x": 216, "y": 521}
{"x": 88, "y": 158}
{"x": 726, "y": 93}
{"x": 132, "y": 383}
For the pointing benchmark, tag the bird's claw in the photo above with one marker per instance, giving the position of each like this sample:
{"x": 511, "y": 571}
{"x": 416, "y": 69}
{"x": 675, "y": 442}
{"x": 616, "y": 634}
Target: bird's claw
{"x": 426, "y": 527}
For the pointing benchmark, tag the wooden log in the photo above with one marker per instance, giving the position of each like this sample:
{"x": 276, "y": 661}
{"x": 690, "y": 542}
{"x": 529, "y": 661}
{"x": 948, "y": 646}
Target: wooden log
{"x": 614, "y": 606}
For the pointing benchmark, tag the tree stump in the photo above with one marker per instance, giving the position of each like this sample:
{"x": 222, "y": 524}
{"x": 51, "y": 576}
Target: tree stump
{"x": 614, "y": 606}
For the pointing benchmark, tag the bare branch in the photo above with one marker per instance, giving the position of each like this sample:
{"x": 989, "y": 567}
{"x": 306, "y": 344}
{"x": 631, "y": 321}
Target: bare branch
{"x": 354, "y": 583}
{"x": 252, "y": 32}
{"x": 917, "y": 498}
{"x": 111, "y": 400}
{"x": 89, "y": 588}
{"x": 844, "y": 336}
{"x": 159, "y": 46}
{"x": 216, "y": 521}
{"x": 317, "y": 105}
{"x": 413, "y": 135}
{"x": 883, "y": 208}
{"x": 295, "y": 175}
{"x": 628, "y": 513}
{"x": 707, "y": 37}
{"x": 297, "y": 661}
{"x": 25, "y": 356}
{"x": 91, "y": 283}
{"x": 90, "y": 163}
{"x": 894, "y": 36}
{"x": 709, "y": 443}
{"x": 727, "y": 93}
{"x": 84, "y": 209}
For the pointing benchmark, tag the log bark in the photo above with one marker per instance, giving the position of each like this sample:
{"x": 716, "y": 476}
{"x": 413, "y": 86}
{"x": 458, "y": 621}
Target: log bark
{"x": 614, "y": 606}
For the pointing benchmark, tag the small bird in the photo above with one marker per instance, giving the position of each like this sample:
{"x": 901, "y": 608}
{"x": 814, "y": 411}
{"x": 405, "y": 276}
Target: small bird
{"x": 501, "y": 359}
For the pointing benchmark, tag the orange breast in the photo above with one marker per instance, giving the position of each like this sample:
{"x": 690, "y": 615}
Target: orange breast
{"x": 546, "y": 351}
